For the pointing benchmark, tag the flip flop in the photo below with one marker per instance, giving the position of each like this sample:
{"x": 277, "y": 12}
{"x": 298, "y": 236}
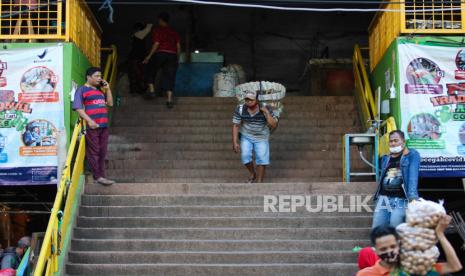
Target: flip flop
{"x": 251, "y": 179}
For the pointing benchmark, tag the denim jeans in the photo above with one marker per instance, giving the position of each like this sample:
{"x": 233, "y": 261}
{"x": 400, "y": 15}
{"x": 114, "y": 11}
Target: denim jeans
{"x": 389, "y": 211}
{"x": 261, "y": 148}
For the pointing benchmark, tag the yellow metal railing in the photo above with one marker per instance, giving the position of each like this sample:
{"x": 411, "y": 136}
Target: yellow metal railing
{"x": 413, "y": 17}
{"x": 70, "y": 21}
{"x": 66, "y": 195}
{"x": 110, "y": 65}
{"x": 363, "y": 93}
{"x": 110, "y": 74}
{"x": 366, "y": 103}
{"x": 385, "y": 128}
{"x": 61, "y": 216}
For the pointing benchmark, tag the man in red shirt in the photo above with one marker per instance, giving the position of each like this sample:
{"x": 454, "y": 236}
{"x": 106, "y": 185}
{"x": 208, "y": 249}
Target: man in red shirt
{"x": 164, "y": 56}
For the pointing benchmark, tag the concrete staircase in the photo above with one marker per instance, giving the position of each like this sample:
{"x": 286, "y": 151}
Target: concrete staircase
{"x": 181, "y": 208}
{"x": 214, "y": 229}
{"x": 192, "y": 142}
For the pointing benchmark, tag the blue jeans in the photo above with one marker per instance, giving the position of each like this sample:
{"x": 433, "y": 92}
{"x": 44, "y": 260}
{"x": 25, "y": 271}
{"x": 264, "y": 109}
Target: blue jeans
{"x": 261, "y": 148}
{"x": 389, "y": 211}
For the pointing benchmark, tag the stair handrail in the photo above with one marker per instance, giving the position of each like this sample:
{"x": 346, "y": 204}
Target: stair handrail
{"x": 368, "y": 110}
{"x": 110, "y": 74}
{"x": 60, "y": 217}
{"x": 385, "y": 128}
{"x": 363, "y": 92}
{"x": 66, "y": 194}
{"x": 24, "y": 264}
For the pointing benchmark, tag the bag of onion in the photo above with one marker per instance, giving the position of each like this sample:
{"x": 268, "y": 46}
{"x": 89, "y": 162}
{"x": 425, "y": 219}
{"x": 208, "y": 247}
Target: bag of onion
{"x": 418, "y": 238}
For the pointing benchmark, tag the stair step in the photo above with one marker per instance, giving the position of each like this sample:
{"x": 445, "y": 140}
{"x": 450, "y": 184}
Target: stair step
{"x": 226, "y": 122}
{"x": 277, "y": 137}
{"x": 217, "y": 211}
{"x": 232, "y": 188}
{"x": 215, "y": 155}
{"x": 222, "y": 164}
{"x": 225, "y": 114}
{"x": 223, "y": 233}
{"x": 215, "y": 245}
{"x": 289, "y": 107}
{"x": 196, "y": 130}
{"x": 135, "y": 175}
{"x": 259, "y": 257}
{"x": 335, "y": 269}
{"x": 179, "y": 200}
{"x": 168, "y": 146}
{"x": 212, "y": 222}
{"x": 298, "y": 100}
{"x": 234, "y": 179}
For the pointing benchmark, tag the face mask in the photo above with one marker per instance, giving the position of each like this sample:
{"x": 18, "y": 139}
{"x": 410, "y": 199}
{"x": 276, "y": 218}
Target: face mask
{"x": 253, "y": 106}
{"x": 396, "y": 149}
{"x": 390, "y": 257}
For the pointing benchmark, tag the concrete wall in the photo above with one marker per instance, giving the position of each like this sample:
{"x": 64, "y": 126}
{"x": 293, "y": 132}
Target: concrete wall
{"x": 283, "y": 41}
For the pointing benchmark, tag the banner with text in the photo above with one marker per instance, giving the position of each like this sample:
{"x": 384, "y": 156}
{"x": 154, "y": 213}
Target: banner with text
{"x": 31, "y": 114}
{"x": 432, "y": 100}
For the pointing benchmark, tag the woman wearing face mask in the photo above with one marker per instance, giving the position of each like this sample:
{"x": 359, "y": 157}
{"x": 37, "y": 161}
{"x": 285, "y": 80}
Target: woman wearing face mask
{"x": 398, "y": 183}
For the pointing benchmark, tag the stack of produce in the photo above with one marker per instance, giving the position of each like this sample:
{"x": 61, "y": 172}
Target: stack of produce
{"x": 418, "y": 237}
{"x": 269, "y": 93}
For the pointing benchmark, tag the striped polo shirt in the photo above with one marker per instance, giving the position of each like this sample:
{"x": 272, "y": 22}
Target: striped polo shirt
{"x": 252, "y": 126}
{"x": 93, "y": 101}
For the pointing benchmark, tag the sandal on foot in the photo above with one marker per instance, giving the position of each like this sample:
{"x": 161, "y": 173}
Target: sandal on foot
{"x": 105, "y": 182}
{"x": 251, "y": 179}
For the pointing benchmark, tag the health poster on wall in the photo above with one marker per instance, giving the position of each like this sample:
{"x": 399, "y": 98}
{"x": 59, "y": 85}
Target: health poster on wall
{"x": 31, "y": 114}
{"x": 432, "y": 100}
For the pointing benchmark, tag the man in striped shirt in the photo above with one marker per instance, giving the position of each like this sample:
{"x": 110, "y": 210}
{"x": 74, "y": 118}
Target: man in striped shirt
{"x": 252, "y": 123}
{"x": 91, "y": 101}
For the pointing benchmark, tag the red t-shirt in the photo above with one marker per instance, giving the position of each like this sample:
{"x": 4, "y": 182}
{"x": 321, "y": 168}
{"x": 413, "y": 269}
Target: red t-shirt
{"x": 378, "y": 270}
{"x": 168, "y": 39}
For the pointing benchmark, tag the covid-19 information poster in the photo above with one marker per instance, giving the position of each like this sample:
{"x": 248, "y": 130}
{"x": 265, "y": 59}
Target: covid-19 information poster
{"x": 432, "y": 101}
{"x": 31, "y": 114}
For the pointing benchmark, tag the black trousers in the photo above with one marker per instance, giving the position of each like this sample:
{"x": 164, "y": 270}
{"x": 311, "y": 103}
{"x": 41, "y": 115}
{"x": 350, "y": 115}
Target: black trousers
{"x": 136, "y": 75}
{"x": 168, "y": 64}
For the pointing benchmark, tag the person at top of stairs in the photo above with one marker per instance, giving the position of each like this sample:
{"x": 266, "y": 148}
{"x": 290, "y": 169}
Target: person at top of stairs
{"x": 136, "y": 56}
{"x": 91, "y": 104}
{"x": 164, "y": 55}
{"x": 253, "y": 121}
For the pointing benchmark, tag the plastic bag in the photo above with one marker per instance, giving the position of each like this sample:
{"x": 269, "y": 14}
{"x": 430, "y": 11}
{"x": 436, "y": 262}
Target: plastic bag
{"x": 416, "y": 238}
{"x": 418, "y": 262}
{"x": 424, "y": 213}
